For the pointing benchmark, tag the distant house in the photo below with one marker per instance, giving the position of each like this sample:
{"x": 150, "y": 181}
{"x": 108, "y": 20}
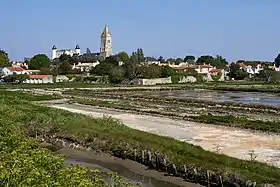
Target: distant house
{"x": 250, "y": 69}
{"x": 13, "y": 71}
{"x": 39, "y": 79}
{"x": 85, "y": 67}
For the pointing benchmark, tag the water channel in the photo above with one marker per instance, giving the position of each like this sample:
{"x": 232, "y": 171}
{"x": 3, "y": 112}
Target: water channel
{"x": 221, "y": 96}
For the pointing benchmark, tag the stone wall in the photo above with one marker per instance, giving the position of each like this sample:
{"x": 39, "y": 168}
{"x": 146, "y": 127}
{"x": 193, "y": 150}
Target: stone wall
{"x": 187, "y": 79}
{"x": 155, "y": 81}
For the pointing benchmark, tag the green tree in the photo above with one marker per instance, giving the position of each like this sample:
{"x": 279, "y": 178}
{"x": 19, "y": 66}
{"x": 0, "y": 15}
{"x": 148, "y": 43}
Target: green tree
{"x": 39, "y": 61}
{"x": 123, "y": 56}
{"x": 116, "y": 74}
{"x": 64, "y": 68}
{"x": 171, "y": 60}
{"x": 277, "y": 61}
{"x": 236, "y": 72}
{"x": 189, "y": 58}
{"x": 178, "y": 61}
{"x": 140, "y": 55}
{"x": 4, "y": 59}
{"x": 150, "y": 72}
{"x": 16, "y": 78}
{"x": 167, "y": 71}
{"x": 218, "y": 61}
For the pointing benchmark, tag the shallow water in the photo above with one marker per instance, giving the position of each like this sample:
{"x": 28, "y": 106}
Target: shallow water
{"x": 222, "y": 96}
{"x": 128, "y": 176}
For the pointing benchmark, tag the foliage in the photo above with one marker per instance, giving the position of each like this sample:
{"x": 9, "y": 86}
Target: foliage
{"x": 138, "y": 56}
{"x": 277, "y": 61}
{"x": 178, "y": 61}
{"x": 23, "y": 163}
{"x": 4, "y": 59}
{"x": 116, "y": 75}
{"x": 104, "y": 67}
{"x": 15, "y": 78}
{"x": 64, "y": 68}
{"x": 175, "y": 79}
{"x": 167, "y": 71}
{"x": 123, "y": 56}
{"x": 39, "y": 61}
{"x": 150, "y": 72}
{"x": 216, "y": 77}
{"x": 236, "y": 72}
{"x": 189, "y": 58}
{"x": 269, "y": 75}
{"x": 218, "y": 61}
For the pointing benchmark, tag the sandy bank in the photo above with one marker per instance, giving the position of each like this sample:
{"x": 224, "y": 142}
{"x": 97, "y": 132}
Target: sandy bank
{"x": 225, "y": 140}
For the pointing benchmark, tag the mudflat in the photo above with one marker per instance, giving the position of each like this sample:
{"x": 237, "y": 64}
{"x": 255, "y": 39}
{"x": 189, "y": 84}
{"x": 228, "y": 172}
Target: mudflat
{"x": 157, "y": 179}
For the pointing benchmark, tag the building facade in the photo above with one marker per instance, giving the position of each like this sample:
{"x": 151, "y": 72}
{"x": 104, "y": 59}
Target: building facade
{"x": 57, "y": 53}
{"x": 106, "y": 49}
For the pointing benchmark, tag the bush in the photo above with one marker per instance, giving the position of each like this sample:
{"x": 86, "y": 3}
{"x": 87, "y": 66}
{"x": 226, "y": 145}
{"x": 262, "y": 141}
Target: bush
{"x": 175, "y": 79}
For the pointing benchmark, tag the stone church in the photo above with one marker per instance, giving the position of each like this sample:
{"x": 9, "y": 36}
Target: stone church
{"x": 106, "y": 49}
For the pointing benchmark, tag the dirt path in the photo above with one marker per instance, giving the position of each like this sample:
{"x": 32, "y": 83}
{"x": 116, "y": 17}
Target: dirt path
{"x": 225, "y": 140}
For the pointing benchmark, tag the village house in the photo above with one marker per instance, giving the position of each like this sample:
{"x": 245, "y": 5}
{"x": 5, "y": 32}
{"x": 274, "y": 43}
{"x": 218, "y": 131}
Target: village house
{"x": 13, "y": 71}
{"x": 250, "y": 69}
{"x": 85, "y": 67}
{"x": 39, "y": 79}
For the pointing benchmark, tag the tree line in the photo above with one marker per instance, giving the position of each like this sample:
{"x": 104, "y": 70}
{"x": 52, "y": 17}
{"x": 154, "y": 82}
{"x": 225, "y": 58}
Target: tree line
{"x": 131, "y": 68}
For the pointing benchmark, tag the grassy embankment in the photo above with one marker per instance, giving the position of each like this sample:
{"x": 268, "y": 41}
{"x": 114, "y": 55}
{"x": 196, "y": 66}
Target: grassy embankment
{"x": 24, "y": 163}
{"x": 111, "y": 134}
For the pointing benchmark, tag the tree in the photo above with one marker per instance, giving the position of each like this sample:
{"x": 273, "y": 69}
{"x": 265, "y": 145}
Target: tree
{"x": 236, "y": 72}
{"x": 277, "y": 61}
{"x": 171, "y": 60}
{"x": 140, "y": 55}
{"x": 167, "y": 71}
{"x": 161, "y": 59}
{"x": 150, "y": 72}
{"x": 4, "y": 59}
{"x": 116, "y": 74}
{"x": 64, "y": 68}
{"x": 178, "y": 61}
{"x": 123, "y": 56}
{"x": 39, "y": 61}
{"x": 206, "y": 59}
{"x": 16, "y": 78}
{"x": 218, "y": 61}
{"x": 189, "y": 58}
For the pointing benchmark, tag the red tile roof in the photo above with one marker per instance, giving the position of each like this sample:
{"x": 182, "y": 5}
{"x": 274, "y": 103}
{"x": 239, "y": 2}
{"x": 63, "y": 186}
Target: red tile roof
{"x": 215, "y": 70}
{"x": 184, "y": 67}
{"x": 205, "y": 66}
{"x": 15, "y": 68}
{"x": 38, "y": 76}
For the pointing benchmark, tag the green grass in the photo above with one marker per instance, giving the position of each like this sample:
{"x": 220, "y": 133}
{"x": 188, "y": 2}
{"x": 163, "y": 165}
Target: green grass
{"x": 112, "y": 134}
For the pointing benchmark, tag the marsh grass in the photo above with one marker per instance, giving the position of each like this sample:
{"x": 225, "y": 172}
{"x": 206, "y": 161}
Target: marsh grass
{"x": 112, "y": 134}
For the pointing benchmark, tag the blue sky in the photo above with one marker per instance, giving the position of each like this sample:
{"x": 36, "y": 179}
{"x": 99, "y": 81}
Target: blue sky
{"x": 235, "y": 29}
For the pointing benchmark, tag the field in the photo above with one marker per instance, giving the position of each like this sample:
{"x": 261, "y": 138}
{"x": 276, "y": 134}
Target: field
{"x": 108, "y": 135}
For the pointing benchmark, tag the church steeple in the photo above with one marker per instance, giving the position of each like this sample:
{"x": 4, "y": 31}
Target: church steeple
{"x": 106, "y": 43}
{"x": 105, "y": 30}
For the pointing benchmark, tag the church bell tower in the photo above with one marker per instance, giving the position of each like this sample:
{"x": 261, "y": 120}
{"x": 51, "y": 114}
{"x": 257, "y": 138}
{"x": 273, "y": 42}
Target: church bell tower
{"x": 106, "y": 43}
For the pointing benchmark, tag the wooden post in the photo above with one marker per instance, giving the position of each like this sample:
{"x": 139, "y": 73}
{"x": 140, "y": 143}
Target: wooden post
{"x": 149, "y": 158}
{"x": 208, "y": 178}
{"x": 221, "y": 181}
{"x": 175, "y": 170}
{"x": 165, "y": 164}
{"x": 185, "y": 169}
{"x": 135, "y": 154}
{"x": 143, "y": 156}
{"x": 157, "y": 161}
{"x": 195, "y": 173}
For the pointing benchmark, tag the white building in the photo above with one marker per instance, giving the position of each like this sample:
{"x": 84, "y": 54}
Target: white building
{"x": 85, "y": 67}
{"x": 106, "y": 43}
{"x": 39, "y": 79}
{"x": 13, "y": 71}
{"x": 57, "y": 53}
